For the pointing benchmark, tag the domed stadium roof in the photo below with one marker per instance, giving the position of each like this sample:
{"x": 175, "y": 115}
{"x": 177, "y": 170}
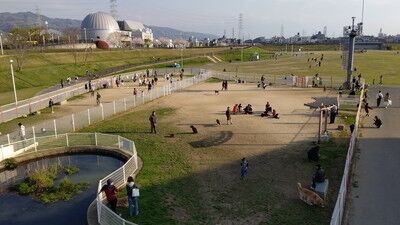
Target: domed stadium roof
{"x": 99, "y": 21}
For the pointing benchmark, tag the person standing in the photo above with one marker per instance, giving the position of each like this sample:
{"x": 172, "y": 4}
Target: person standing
{"x": 381, "y": 80}
{"x": 333, "y": 114}
{"x": 379, "y": 98}
{"x": 132, "y": 191}
{"x": 367, "y": 108}
{"x": 244, "y": 168}
{"x": 51, "y": 104}
{"x": 21, "y": 131}
{"x": 134, "y": 92}
{"x": 62, "y": 83}
{"x": 98, "y": 98}
{"x": 153, "y": 122}
{"x": 228, "y": 116}
{"x": 111, "y": 194}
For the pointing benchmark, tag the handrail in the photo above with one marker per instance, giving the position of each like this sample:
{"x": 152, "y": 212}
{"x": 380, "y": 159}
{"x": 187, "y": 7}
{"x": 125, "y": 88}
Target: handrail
{"x": 338, "y": 212}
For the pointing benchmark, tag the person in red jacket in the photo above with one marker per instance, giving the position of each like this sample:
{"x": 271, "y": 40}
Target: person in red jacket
{"x": 111, "y": 193}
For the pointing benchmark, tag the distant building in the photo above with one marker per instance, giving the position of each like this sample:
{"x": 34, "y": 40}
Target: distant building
{"x": 136, "y": 30}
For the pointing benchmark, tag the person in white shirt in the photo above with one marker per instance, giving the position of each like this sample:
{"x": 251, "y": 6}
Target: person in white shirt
{"x": 379, "y": 98}
{"x": 21, "y": 131}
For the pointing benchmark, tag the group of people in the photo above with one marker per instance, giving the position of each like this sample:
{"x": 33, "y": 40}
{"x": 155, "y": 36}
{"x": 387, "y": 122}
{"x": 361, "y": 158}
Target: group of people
{"x": 132, "y": 192}
{"x": 387, "y": 101}
{"x": 316, "y": 60}
{"x": 224, "y": 85}
{"x": 269, "y": 112}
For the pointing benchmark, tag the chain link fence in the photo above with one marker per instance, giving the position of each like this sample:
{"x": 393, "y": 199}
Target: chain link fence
{"x": 84, "y": 118}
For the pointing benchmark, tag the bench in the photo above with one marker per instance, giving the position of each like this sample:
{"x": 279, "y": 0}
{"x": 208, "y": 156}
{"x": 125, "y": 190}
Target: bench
{"x": 322, "y": 188}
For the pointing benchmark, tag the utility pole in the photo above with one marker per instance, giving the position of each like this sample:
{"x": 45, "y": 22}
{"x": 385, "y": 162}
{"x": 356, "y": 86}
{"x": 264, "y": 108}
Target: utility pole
{"x": 241, "y": 54}
{"x": 1, "y": 44}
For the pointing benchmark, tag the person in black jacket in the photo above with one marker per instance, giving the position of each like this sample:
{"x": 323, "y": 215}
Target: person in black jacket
{"x": 153, "y": 122}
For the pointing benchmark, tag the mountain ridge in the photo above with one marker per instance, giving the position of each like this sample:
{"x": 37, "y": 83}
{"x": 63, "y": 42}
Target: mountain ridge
{"x": 28, "y": 19}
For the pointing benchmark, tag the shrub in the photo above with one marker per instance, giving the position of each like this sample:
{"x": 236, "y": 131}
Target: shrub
{"x": 69, "y": 170}
{"x": 101, "y": 44}
{"x": 23, "y": 188}
{"x": 10, "y": 164}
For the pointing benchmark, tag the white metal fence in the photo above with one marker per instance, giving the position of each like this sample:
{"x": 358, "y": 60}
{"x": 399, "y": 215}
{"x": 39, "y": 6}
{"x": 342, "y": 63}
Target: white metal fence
{"x": 86, "y": 117}
{"x": 328, "y": 81}
{"x": 105, "y": 216}
{"x": 338, "y": 212}
{"x": 28, "y": 106}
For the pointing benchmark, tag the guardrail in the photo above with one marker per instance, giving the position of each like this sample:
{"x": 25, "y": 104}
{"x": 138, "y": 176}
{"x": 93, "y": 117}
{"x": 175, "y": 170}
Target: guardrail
{"x": 28, "y": 106}
{"x": 86, "y": 117}
{"x": 338, "y": 212}
{"x": 105, "y": 216}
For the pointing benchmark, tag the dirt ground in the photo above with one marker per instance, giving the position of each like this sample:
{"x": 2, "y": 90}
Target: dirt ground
{"x": 276, "y": 148}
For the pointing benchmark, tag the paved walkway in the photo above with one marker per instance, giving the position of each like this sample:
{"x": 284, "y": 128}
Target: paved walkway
{"x": 375, "y": 198}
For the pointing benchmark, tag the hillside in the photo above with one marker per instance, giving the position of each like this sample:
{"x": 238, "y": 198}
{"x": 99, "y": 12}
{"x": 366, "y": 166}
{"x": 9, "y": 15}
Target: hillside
{"x": 29, "y": 19}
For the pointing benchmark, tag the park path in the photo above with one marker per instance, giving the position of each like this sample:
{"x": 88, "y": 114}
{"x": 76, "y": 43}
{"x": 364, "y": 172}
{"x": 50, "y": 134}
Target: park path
{"x": 374, "y": 195}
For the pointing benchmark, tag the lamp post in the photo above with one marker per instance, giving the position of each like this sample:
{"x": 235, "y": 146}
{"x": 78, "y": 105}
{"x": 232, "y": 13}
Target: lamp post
{"x": 84, "y": 29}
{"x": 1, "y": 43}
{"x": 13, "y": 81}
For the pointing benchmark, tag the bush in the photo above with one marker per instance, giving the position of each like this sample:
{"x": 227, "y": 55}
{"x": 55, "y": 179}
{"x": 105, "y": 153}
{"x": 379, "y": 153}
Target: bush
{"x": 69, "y": 170}
{"x": 10, "y": 164}
{"x": 23, "y": 189}
{"x": 101, "y": 44}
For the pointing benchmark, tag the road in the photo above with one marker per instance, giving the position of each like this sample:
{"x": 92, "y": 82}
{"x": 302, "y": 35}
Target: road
{"x": 374, "y": 196}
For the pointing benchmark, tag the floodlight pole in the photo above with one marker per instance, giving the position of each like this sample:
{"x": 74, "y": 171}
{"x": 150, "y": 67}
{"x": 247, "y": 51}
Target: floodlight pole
{"x": 350, "y": 60}
{"x": 13, "y": 81}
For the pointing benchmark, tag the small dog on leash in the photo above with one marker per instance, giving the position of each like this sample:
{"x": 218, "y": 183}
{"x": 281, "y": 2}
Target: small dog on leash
{"x": 216, "y": 92}
{"x": 218, "y": 122}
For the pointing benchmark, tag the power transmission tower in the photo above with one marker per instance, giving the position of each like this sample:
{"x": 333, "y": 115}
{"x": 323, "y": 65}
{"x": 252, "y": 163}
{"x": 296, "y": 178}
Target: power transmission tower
{"x": 282, "y": 31}
{"x": 240, "y": 26}
{"x": 113, "y": 8}
{"x": 325, "y": 31}
{"x": 233, "y": 32}
{"x": 38, "y": 17}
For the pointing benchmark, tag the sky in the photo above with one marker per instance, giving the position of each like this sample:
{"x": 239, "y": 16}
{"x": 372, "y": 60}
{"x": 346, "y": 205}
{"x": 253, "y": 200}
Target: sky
{"x": 260, "y": 17}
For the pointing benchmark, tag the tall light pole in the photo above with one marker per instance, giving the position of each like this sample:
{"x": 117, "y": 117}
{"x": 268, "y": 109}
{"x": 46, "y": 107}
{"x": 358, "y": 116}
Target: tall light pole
{"x": 13, "y": 81}
{"x": 1, "y": 43}
{"x": 84, "y": 29}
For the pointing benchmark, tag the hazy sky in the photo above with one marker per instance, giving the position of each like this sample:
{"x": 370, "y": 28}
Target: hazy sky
{"x": 260, "y": 17}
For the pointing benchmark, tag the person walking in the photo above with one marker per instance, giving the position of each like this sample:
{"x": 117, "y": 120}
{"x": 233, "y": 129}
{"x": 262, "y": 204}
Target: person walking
{"x": 153, "y": 122}
{"x": 367, "y": 108}
{"x": 228, "y": 116}
{"x": 132, "y": 191}
{"x": 244, "y": 168}
{"x": 379, "y": 98}
{"x": 387, "y": 100}
{"x": 98, "y": 98}
{"x": 111, "y": 194}
{"x": 21, "y": 131}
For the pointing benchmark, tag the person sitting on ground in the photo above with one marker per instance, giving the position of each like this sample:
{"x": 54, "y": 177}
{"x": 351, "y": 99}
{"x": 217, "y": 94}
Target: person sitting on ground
{"x": 275, "y": 114}
{"x": 268, "y": 107}
{"x": 319, "y": 176}
{"x": 248, "y": 109}
{"x": 235, "y": 109}
{"x": 377, "y": 122}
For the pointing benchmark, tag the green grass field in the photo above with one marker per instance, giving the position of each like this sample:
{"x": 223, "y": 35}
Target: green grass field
{"x": 235, "y": 54}
{"x": 371, "y": 65}
{"x": 42, "y": 70}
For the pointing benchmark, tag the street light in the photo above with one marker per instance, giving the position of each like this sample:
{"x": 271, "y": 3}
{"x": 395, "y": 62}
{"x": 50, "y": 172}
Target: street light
{"x": 13, "y": 80}
{"x": 1, "y": 43}
{"x": 84, "y": 29}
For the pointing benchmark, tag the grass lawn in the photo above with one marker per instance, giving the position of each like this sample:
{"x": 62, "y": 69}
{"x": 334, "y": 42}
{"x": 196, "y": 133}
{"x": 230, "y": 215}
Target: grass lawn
{"x": 170, "y": 190}
{"x": 371, "y": 65}
{"x": 41, "y": 70}
{"x": 235, "y": 55}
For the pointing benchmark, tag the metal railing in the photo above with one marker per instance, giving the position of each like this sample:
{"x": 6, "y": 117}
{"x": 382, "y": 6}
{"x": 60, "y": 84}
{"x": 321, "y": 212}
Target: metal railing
{"x": 86, "y": 117}
{"x": 31, "y": 105}
{"x": 338, "y": 212}
{"x": 105, "y": 216}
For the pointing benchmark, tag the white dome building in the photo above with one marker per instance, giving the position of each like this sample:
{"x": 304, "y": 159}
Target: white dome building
{"x": 98, "y": 26}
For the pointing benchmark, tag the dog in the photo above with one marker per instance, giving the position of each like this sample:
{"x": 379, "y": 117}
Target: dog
{"x": 122, "y": 202}
{"x": 216, "y": 92}
{"x": 218, "y": 122}
{"x": 194, "y": 129}
{"x": 309, "y": 197}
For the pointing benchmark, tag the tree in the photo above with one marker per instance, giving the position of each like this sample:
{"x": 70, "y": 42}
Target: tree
{"x": 165, "y": 42}
{"x": 137, "y": 42}
{"x": 71, "y": 35}
{"x": 115, "y": 40}
{"x": 19, "y": 39}
{"x": 180, "y": 43}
